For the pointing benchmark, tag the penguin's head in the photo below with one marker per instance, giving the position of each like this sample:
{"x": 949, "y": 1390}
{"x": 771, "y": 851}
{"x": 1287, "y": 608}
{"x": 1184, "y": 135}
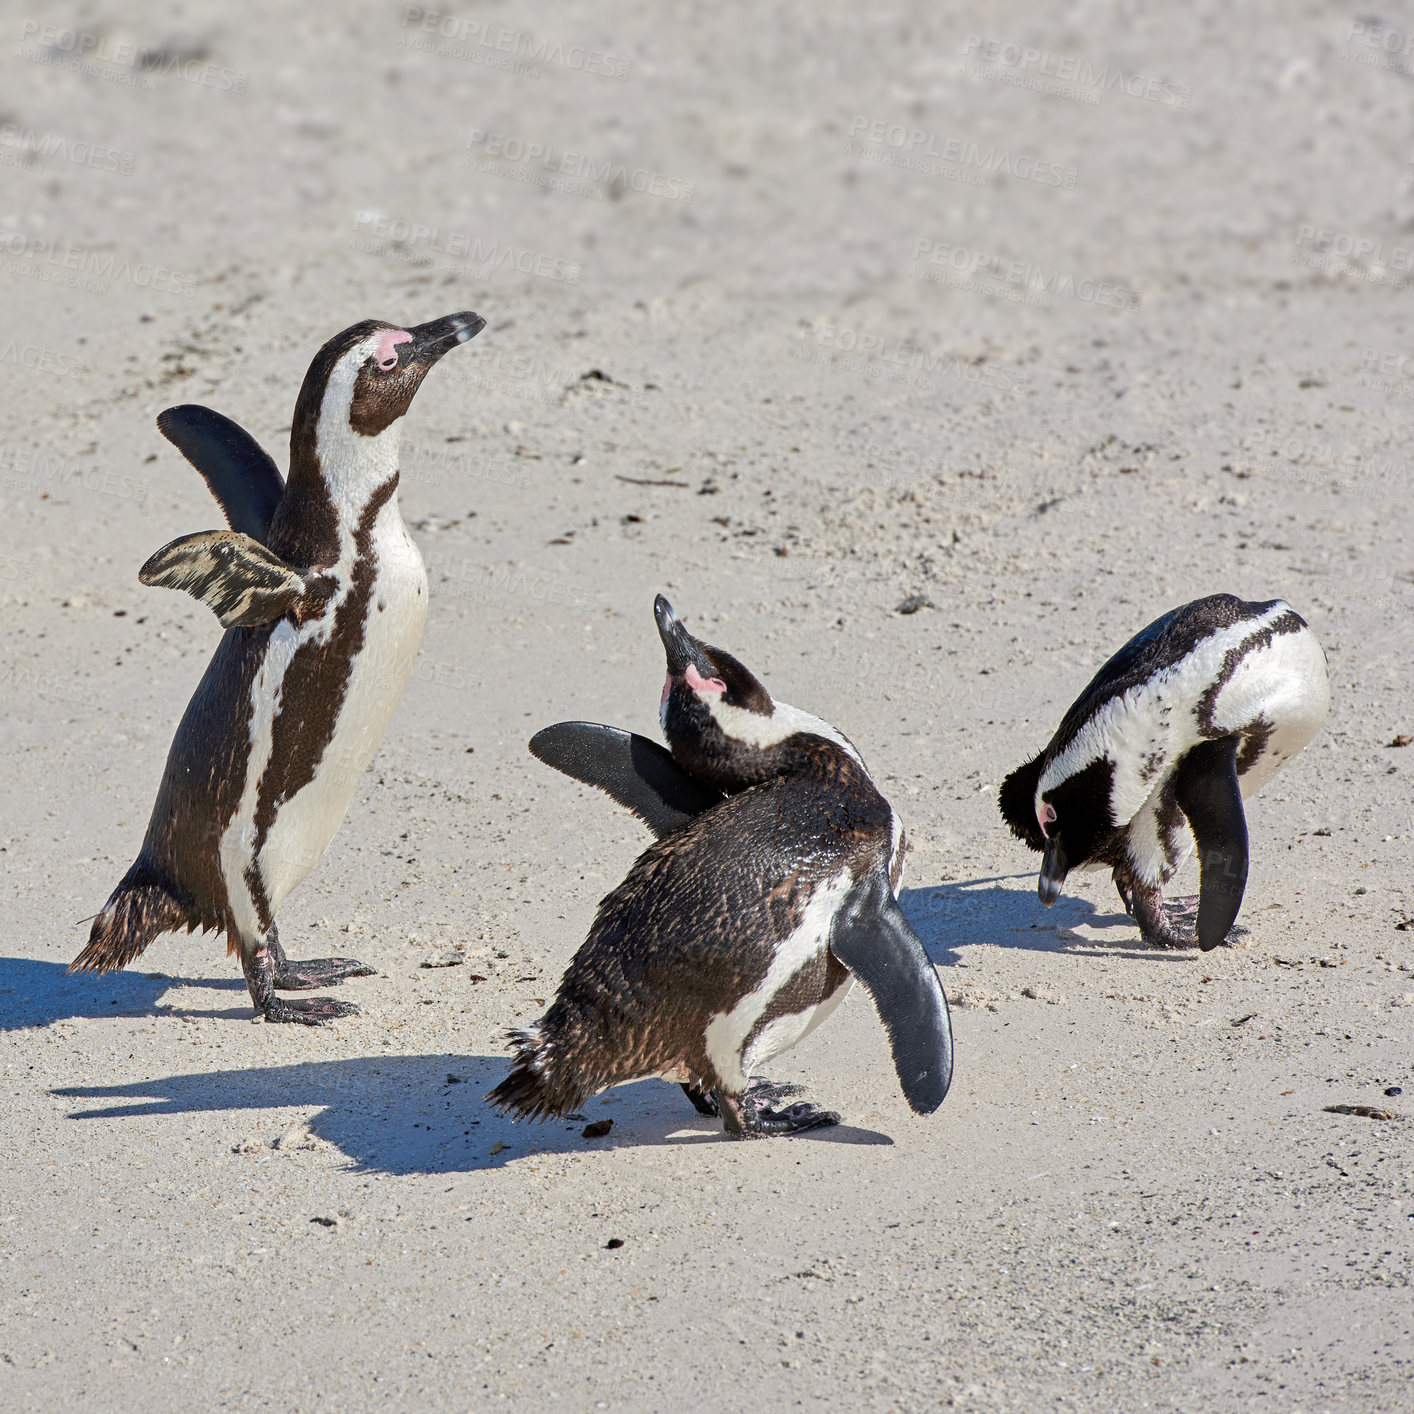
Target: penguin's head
{"x": 721, "y": 724}
{"x": 1069, "y": 820}
{"x": 362, "y": 381}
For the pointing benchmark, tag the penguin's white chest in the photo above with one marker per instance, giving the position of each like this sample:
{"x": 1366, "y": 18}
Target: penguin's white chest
{"x": 392, "y": 621}
{"x": 392, "y": 633}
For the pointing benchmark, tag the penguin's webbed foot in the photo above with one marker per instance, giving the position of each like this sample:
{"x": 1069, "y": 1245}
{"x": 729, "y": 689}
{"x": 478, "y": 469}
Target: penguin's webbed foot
{"x": 1162, "y": 924}
{"x": 705, "y": 1101}
{"x": 318, "y": 972}
{"x": 762, "y": 1089}
{"x": 315, "y": 972}
{"x": 744, "y": 1118}
{"x": 1169, "y": 923}
{"x": 1180, "y": 921}
{"x": 308, "y": 1011}
{"x": 263, "y": 967}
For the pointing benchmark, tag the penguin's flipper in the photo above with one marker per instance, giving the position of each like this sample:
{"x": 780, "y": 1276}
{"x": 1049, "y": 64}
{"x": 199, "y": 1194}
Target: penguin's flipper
{"x": 1206, "y": 788}
{"x": 236, "y": 468}
{"x": 236, "y": 577}
{"x": 636, "y": 772}
{"x": 873, "y": 939}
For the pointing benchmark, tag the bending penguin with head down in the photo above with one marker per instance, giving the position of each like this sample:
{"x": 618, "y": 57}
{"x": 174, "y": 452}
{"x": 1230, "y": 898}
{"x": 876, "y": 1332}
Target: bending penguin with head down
{"x": 1194, "y": 713}
{"x": 770, "y": 888}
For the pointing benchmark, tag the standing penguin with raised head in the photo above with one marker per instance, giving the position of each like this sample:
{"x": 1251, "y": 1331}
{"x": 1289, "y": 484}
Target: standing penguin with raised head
{"x": 1194, "y": 713}
{"x": 769, "y": 889}
{"x": 323, "y": 596}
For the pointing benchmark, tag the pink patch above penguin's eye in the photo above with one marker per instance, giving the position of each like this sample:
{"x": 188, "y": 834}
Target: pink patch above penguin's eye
{"x": 386, "y": 354}
{"x": 1046, "y": 814}
{"x": 701, "y": 685}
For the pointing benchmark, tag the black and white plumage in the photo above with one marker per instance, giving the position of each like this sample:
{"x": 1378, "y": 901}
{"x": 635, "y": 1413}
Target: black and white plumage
{"x": 323, "y": 596}
{"x": 1199, "y": 710}
{"x": 770, "y": 889}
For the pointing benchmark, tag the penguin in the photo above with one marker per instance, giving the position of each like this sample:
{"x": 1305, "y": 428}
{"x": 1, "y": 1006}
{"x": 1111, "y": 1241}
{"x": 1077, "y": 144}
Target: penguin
{"x": 1196, "y": 712}
{"x": 769, "y": 889}
{"x": 323, "y": 597}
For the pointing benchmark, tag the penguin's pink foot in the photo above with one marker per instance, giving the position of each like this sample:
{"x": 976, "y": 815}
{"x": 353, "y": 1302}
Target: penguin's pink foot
{"x": 315, "y": 972}
{"x": 744, "y": 1118}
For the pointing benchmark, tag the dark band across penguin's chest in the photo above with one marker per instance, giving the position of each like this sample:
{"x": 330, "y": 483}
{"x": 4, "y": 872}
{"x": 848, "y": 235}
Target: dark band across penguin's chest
{"x": 810, "y": 986}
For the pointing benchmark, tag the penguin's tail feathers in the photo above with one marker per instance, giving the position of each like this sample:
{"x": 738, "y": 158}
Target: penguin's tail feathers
{"x": 138, "y": 910}
{"x": 537, "y": 1088}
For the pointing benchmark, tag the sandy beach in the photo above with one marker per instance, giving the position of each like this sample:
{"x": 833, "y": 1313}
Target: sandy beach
{"x": 1036, "y": 322}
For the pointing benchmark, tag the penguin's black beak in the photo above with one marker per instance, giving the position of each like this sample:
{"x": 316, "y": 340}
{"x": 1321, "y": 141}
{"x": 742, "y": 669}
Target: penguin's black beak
{"x": 1054, "y": 867}
{"x": 680, "y": 646}
{"x": 431, "y": 340}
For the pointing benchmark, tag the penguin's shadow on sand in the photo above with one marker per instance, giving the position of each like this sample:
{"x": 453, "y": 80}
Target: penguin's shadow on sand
{"x": 419, "y": 1114}
{"x": 424, "y": 1114}
{"x": 1004, "y": 910}
{"x": 37, "y": 993}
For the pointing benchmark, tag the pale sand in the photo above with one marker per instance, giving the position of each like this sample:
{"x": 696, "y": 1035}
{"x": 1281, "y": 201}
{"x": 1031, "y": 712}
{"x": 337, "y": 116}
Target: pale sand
{"x": 1131, "y": 1199}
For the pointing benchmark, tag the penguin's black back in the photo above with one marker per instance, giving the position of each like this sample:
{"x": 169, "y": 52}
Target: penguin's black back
{"x": 1164, "y": 643}
{"x": 694, "y": 926}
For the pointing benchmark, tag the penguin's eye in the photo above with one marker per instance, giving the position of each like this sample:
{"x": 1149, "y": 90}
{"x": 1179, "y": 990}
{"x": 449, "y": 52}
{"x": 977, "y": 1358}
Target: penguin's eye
{"x": 1045, "y": 815}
